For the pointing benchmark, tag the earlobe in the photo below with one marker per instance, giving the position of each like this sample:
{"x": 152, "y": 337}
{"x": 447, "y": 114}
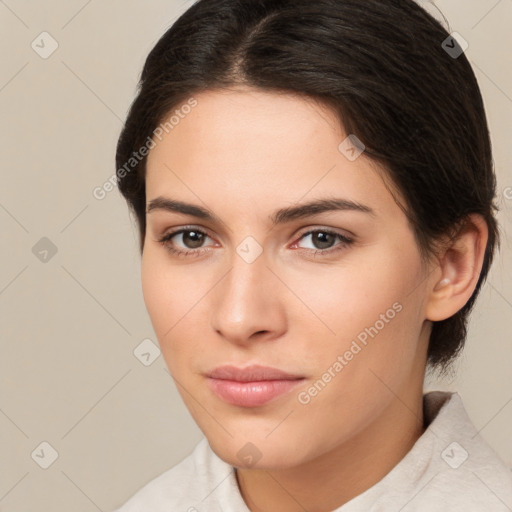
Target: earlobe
{"x": 460, "y": 266}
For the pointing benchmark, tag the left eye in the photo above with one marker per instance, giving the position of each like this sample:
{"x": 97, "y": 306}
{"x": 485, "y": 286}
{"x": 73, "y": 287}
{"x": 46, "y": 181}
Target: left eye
{"x": 323, "y": 239}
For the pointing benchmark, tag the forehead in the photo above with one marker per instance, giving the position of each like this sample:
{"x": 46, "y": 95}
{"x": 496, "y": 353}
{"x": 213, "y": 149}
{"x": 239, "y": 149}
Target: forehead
{"x": 259, "y": 147}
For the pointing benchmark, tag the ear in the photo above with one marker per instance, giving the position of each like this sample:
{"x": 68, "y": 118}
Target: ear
{"x": 458, "y": 270}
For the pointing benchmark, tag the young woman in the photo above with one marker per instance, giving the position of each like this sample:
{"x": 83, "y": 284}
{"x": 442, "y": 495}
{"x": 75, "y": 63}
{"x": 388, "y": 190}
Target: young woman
{"x": 314, "y": 189}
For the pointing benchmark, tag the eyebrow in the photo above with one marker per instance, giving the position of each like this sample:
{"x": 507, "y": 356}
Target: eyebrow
{"x": 280, "y": 216}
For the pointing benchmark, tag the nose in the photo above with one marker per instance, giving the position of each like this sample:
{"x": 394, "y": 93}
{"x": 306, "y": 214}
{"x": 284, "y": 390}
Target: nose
{"x": 247, "y": 305}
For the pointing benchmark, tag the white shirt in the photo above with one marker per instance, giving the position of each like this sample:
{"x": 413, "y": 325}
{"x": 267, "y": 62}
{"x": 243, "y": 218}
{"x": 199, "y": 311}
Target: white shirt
{"x": 450, "y": 468}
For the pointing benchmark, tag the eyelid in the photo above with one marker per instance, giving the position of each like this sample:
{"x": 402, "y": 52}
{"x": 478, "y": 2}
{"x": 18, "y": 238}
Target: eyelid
{"x": 178, "y": 231}
{"x": 337, "y": 231}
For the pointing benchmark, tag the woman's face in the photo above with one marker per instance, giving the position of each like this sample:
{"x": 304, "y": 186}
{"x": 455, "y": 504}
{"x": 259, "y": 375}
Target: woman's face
{"x": 342, "y": 309}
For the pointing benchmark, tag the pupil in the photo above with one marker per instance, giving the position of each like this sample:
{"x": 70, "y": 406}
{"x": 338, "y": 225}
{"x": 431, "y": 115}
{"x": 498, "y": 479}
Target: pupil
{"x": 325, "y": 236}
{"x": 197, "y": 242}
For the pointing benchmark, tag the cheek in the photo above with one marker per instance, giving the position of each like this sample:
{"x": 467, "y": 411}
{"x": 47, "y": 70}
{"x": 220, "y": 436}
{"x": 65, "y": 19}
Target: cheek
{"x": 163, "y": 294}
{"x": 342, "y": 300}
{"x": 357, "y": 371}
{"x": 173, "y": 298}
{"x": 369, "y": 313}
{"x": 167, "y": 288}
{"x": 153, "y": 288}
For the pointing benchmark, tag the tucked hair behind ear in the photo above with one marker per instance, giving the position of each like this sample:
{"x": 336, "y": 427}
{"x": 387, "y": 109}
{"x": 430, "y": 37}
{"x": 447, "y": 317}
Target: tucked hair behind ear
{"x": 379, "y": 65}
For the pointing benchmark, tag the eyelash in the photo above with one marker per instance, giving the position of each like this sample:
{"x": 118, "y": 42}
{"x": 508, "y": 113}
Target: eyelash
{"x": 345, "y": 241}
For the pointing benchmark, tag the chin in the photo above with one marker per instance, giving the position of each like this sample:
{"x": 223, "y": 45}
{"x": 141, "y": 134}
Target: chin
{"x": 243, "y": 453}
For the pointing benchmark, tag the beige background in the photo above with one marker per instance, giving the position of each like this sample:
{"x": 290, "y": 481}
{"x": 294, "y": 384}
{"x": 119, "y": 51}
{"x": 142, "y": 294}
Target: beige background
{"x": 70, "y": 324}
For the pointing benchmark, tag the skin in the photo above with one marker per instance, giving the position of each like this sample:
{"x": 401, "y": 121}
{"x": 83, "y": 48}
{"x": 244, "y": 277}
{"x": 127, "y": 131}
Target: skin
{"x": 243, "y": 154}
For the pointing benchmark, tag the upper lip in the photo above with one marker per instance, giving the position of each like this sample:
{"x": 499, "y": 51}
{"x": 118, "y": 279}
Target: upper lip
{"x": 251, "y": 373}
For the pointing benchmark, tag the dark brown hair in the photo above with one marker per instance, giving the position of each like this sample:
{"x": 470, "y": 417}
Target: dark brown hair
{"x": 380, "y": 65}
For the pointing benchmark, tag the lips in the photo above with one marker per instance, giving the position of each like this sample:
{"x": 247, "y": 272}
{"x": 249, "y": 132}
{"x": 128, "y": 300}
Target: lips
{"x": 251, "y": 373}
{"x": 252, "y": 386}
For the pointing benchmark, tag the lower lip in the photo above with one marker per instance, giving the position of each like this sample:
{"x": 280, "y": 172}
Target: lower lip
{"x": 251, "y": 394}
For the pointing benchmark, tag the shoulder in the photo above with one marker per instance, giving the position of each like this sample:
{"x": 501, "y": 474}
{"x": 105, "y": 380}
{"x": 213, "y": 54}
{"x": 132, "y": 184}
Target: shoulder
{"x": 466, "y": 461}
{"x": 450, "y": 468}
{"x": 200, "y": 478}
{"x": 464, "y": 471}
